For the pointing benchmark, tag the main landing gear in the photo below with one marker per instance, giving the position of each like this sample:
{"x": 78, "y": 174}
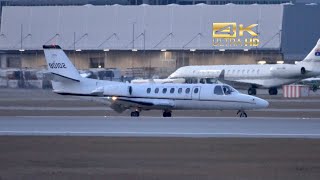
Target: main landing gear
{"x": 167, "y": 113}
{"x": 241, "y": 113}
{"x": 135, "y": 114}
{"x": 252, "y": 91}
{"x": 273, "y": 91}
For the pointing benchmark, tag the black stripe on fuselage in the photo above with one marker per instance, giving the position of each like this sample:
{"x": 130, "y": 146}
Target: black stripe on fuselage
{"x": 66, "y": 77}
{"x": 75, "y": 94}
{"x": 88, "y": 95}
{"x": 137, "y": 102}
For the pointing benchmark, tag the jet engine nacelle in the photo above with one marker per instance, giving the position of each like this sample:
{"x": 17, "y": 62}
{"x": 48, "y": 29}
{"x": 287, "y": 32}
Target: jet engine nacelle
{"x": 287, "y": 71}
{"x": 116, "y": 90}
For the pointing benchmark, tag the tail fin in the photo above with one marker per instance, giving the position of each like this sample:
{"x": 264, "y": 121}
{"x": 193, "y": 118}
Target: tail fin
{"x": 59, "y": 64}
{"x": 314, "y": 55}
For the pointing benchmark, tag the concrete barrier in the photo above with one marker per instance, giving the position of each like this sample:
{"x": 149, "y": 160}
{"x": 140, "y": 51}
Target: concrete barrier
{"x": 33, "y": 84}
{"x": 295, "y": 91}
{"x": 3, "y": 83}
{"x": 13, "y": 83}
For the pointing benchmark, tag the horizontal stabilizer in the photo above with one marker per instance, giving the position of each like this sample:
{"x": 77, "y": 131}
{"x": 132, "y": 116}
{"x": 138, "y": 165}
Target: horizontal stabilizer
{"x": 51, "y": 47}
{"x": 58, "y": 77}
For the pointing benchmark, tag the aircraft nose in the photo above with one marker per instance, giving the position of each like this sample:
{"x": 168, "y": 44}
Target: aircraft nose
{"x": 261, "y": 103}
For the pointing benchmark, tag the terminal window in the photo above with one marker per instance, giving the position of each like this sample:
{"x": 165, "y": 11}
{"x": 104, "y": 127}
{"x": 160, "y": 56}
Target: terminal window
{"x": 182, "y": 61}
{"x": 13, "y": 62}
{"x": 96, "y": 63}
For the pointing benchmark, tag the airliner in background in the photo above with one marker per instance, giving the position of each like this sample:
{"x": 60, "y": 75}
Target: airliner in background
{"x": 138, "y": 97}
{"x": 251, "y": 77}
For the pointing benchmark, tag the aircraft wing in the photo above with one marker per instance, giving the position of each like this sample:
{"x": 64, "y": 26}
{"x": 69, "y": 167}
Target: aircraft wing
{"x": 241, "y": 83}
{"x": 120, "y": 104}
{"x": 158, "y": 81}
{"x": 250, "y": 82}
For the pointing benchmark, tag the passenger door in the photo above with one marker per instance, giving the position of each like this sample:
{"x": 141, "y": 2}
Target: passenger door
{"x": 195, "y": 94}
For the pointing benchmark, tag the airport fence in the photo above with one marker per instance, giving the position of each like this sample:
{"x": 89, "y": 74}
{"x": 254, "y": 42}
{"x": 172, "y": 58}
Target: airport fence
{"x": 25, "y": 78}
{"x": 41, "y": 78}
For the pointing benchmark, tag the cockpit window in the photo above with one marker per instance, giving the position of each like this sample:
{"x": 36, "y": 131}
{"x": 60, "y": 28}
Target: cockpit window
{"x": 218, "y": 90}
{"x": 228, "y": 89}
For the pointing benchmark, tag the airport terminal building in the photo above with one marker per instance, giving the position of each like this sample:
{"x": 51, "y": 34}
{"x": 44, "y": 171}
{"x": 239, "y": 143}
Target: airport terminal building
{"x": 144, "y": 40}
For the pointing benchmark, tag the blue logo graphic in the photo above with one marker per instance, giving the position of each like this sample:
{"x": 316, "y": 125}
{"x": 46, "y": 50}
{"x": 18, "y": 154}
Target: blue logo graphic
{"x": 317, "y": 53}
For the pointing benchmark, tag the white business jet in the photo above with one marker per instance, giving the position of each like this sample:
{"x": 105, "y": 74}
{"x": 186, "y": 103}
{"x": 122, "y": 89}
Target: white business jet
{"x": 269, "y": 76}
{"x": 138, "y": 97}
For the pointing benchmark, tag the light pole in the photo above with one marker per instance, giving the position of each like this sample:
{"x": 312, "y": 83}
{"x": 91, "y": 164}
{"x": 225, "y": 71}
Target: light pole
{"x": 22, "y": 38}
{"x": 133, "y": 50}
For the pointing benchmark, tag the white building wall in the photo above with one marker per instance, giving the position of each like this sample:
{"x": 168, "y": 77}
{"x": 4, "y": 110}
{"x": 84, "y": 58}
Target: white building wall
{"x": 169, "y": 27}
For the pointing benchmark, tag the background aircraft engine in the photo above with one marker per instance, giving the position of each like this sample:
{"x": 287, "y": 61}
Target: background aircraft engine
{"x": 287, "y": 71}
{"x": 303, "y": 70}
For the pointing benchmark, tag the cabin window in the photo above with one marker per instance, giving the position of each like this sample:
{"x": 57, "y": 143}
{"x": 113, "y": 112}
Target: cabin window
{"x": 187, "y": 90}
{"x": 196, "y": 90}
{"x": 156, "y": 90}
{"x": 233, "y": 71}
{"x": 180, "y": 90}
{"x": 258, "y": 71}
{"x": 172, "y": 90}
{"x": 217, "y": 90}
{"x": 253, "y": 71}
{"x": 238, "y": 71}
{"x": 243, "y": 71}
{"x": 148, "y": 90}
{"x": 248, "y": 71}
{"x": 164, "y": 90}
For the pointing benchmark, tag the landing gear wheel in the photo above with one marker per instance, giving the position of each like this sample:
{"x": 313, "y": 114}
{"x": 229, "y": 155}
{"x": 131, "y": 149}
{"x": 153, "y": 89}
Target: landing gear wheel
{"x": 242, "y": 114}
{"x": 135, "y": 114}
{"x": 252, "y": 91}
{"x": 273, "y": 91}
{"x": 167, "y": 114}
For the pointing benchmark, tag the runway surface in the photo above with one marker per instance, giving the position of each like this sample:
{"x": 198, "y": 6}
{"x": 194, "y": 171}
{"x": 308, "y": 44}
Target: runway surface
{"x": 161, "y": 127}
{"x": 47, "y": 136}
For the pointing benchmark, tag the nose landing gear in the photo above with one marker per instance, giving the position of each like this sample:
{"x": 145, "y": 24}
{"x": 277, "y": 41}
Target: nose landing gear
{"x": 241, "y": 113}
